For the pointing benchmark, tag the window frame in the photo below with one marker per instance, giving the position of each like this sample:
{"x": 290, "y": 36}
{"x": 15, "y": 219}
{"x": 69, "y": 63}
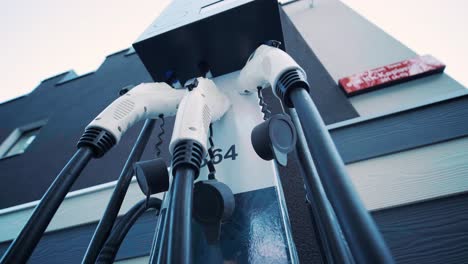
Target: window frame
{"x": 16, "y": 135}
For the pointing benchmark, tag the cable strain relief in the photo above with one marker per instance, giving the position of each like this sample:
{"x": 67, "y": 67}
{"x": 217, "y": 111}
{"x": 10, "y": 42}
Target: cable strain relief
{"x": 288, "y": 81}
{"x": 98, "y": 139}
{"x": 187, "y": 153}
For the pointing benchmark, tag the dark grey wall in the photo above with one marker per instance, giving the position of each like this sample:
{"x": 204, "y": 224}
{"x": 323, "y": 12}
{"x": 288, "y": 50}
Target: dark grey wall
{"x": 429, "y": 232}
{"x": 68, "y": 107}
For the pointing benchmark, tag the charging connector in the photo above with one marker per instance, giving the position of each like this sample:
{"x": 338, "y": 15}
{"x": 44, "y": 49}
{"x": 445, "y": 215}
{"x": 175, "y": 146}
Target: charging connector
{"x": 147, "y": 100}
{"x": 203, "y": 105}
{"x": 265, "y": 67}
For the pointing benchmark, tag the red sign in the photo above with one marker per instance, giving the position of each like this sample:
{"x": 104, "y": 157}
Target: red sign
{"x": 391, "y": 74}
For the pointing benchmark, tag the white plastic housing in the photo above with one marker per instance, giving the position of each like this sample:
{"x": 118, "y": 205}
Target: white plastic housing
{"x": 264, "y": 69}
{"x": 147, "y": 100}
{"x": 197, "y": 110}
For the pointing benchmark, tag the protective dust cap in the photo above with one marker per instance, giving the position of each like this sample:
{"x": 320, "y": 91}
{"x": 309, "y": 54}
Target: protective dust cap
{"x": 152, "y": 176}
{"x": 274, "y": 138}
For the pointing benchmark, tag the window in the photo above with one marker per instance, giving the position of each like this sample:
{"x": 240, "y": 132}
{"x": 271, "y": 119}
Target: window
{"x": 20, "y": 139}
{"x": 22, "y": 143}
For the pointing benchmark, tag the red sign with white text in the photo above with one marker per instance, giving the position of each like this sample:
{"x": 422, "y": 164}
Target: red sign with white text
{"x": 391, "y": 74}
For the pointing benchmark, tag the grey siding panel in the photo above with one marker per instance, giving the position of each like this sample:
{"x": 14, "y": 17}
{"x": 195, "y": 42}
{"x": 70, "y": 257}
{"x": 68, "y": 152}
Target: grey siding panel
{"x": 429, "y": 232}
{"x": 412, "y": 176}
{"x": 402, "y": 131}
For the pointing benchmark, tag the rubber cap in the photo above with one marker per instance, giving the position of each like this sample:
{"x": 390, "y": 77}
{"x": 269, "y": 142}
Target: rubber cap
{"x": 152, "y": 176}
{"x": 213, "y": 201}
{"x": 274, "y": 138}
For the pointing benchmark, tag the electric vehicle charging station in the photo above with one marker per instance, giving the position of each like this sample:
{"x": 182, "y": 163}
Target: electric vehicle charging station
{"x": 188, "y": 37}
{"x": 218, "y": 42}
{"x": 176, "y": 50}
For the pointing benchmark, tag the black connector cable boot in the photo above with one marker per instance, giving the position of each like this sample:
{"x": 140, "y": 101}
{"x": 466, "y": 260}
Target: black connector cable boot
{"x": 186, "y": 163}
{"x": 93, "y": 143}
{"x": 99, "y": 140}
{"x": 106, "y": 223}
{"x": 364, "y": 239}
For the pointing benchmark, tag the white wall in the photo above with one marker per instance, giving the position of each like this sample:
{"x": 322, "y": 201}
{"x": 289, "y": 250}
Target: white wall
{"x": 347, "y": 43}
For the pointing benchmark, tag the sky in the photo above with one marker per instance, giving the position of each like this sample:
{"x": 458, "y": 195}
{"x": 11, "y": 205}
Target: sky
{"x": 43, "y": 38}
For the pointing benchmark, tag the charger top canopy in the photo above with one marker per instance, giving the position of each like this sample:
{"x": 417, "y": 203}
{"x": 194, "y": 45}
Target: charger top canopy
{"x": 192, "y": 37}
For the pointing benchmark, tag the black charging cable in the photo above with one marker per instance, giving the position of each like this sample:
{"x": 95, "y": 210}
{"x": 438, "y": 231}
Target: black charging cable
{"x": 94, "y": 143}
{"x": 359, "y": 229}
{"x": 125, "y": 223}
{"x": 186, "y": 161}
{"x": 107, "y": 221}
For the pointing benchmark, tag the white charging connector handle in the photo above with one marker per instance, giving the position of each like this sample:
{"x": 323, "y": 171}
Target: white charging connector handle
{"x": 264, "y": 68}
{"x": 147, "y": 100}
{"x": 199, "y": 108}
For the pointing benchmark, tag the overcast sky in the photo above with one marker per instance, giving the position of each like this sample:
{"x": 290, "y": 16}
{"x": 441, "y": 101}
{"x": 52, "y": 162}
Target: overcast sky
{"x": 43, "y": 38}
{"x": 47, "y": 37}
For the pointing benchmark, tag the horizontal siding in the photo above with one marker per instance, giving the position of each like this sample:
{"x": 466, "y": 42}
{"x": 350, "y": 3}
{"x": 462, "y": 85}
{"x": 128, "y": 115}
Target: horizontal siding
{"x": 414, "y": 175}
{"x": 429, "y": 232}
{"x": 255, "y": 225}
{"x": 70, "y": 212}
{"x": 425, "y": 232}
{"x": 405, "y": 94}
{"x": 424, "y": 125}
{"x": 406, "y": 177}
